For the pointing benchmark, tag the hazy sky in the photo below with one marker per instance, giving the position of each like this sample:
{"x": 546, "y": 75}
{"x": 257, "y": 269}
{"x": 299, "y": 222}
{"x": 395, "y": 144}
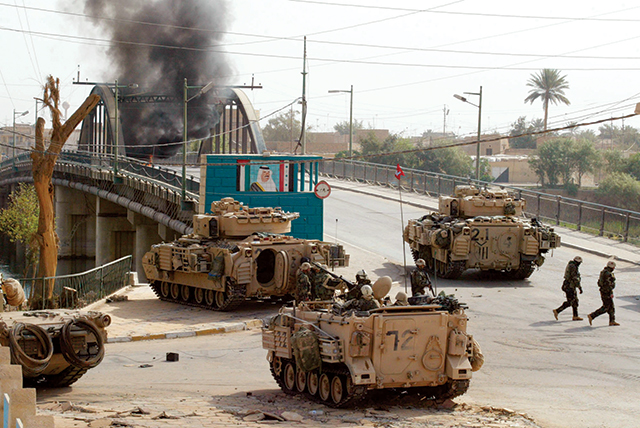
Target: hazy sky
{"x": 405, "y": 59}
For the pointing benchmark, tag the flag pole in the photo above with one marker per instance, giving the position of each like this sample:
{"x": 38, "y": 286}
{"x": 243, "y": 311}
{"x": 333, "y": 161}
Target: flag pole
{"x": 404, "y": 249}
{"x": 399, "y": 173}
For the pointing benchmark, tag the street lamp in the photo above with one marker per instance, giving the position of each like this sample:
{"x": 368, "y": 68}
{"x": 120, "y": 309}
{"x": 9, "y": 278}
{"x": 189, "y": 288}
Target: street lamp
{"x": 188, "y": 206}
{"x": 479, "y": 106}
{"x": 13, "y": 139}
{"x": 350, "y": 91}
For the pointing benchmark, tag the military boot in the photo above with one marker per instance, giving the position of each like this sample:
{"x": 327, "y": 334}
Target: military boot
{"x": 577, "y": 318}
{"x": 613, "y": 323}
{"x": 555, "y": 313}
{"x": 590, "y": 318}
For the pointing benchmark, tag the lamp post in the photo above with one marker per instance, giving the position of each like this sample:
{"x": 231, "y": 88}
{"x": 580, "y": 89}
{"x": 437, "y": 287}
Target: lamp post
{"x": 350, "y": 91}
{"x": 13, "y": 139}
{"x": 203, "y": 90}
{"x": 479, "y": 106}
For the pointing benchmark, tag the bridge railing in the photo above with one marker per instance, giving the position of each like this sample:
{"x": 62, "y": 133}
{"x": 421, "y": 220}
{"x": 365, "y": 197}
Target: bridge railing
{"x": 596, "y": 219}
{"x": 79, "y": 290}
{"x": 168, "y": 176}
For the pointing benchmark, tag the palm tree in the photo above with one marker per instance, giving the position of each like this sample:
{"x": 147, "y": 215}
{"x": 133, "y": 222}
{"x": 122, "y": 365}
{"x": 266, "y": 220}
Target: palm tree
{"x": 547, "y": 85}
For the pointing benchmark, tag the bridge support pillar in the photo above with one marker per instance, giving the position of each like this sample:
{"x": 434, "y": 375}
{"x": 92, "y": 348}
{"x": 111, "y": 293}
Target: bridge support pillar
{"x": 167, "y": 234}
{"x": 115, "y": 237}
{"x": 75, "y": 223}
{"x": 146, "y": 236}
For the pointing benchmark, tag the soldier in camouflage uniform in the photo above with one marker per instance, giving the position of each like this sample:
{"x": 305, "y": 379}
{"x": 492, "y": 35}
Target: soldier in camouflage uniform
{"x": 606, "y": 283}
{"x": 322, "y": 289}
{"x": 420, "y": 280}
{"x": 303, "y": 286}
{"x": 569, "y": 286}
{"x": 364, "y": 303}
{"x": 361, "y": 280}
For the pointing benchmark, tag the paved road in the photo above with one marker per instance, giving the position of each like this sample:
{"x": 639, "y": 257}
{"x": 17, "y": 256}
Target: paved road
{"x": 563, "y": 373}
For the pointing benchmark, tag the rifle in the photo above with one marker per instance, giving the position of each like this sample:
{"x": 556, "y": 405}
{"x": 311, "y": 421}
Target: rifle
{"x": 350, "y": 285}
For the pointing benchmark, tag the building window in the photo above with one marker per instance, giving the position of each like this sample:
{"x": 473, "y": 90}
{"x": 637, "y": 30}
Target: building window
{"x": 489, "y": 152}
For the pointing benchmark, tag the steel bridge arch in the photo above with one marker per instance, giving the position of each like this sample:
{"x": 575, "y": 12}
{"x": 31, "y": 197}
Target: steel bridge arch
{"x": 238, "y": 125}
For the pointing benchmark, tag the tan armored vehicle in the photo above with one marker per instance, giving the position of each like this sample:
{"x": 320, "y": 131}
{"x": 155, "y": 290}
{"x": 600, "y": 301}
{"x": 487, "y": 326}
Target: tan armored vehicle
{"x": 480, "y": 229}
{"x": 336, "y": 359}
{"x": 233, "y": 254}
{"x": 54, "y": 347}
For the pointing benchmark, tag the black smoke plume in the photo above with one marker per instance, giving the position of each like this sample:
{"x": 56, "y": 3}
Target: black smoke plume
{"x": 156, "y": 45}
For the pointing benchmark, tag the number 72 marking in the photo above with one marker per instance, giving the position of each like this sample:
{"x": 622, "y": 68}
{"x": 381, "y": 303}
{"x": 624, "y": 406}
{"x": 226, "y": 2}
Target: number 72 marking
{"x": 405, "y": 343}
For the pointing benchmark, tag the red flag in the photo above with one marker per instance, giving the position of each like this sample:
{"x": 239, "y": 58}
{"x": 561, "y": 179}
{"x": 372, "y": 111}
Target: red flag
{"x": 399, "y": 172}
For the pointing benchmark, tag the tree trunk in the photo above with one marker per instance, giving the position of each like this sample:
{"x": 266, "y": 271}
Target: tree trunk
{"x": 44, "y": 160}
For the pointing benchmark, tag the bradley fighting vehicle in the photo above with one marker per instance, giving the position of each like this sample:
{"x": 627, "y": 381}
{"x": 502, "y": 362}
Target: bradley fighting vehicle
{"x": 337, "y": 358}
{"x": 234, "y": 253}
{"x": 480, "y": 229}
{"x": 54, "y": 347}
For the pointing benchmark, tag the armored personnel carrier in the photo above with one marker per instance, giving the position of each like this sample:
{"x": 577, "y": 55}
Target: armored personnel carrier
{"x": 480, "y": 229}
{"x": 233, "y": 254}
{"x": 336, "y": 359}
{"x": 54, "y": 347}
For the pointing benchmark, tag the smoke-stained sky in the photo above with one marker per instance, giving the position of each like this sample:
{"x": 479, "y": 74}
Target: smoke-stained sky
{"x": 139, "y": 55}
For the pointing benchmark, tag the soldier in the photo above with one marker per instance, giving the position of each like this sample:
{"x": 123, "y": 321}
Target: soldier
{"x": 364, "y": 303}
{"x": 420, "y": 279}
{"x": 361, "y": 280}
{"x": 401, "y": 299}
{"x": 303, "y": 287}
{"x": 322, "y": 288}
{"x": 571, "y": 282}
{"x": 606, "y": 283}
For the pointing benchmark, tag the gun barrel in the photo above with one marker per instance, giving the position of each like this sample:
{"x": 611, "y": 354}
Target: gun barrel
{"x": 350, "y": 284}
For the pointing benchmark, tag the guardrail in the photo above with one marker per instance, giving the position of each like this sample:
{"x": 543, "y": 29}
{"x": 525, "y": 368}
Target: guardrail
{"x": 154, "y": 192}
{"x": 80, "y": 289}
{"x": 596, "y": 219}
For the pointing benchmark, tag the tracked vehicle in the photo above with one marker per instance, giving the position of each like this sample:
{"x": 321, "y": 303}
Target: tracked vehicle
{"x": 480, "y": 229}
{"x": 54, "y": 347}
{"x": 337, "y": 359}
{"x": 234, "y": 254}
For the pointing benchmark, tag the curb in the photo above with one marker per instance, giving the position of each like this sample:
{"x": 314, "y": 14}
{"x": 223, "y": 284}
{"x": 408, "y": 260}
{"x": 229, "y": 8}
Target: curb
{"x": 599, "y": 253}
{"x": 227, "y": 328}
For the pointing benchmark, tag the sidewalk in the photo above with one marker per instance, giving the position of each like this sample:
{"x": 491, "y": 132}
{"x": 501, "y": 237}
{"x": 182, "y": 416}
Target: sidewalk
{"x": 145, "y": 317}
{"x": 599, "y": 246}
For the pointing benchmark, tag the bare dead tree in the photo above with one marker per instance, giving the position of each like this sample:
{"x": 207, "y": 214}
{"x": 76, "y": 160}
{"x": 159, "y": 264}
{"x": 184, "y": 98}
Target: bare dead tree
{"x": 44, "y": 159}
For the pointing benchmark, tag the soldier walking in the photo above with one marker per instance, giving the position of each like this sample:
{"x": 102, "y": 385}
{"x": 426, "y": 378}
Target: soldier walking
{"x": 303, "y": 287}
{"x": 420, "y": 280}
{"x": 569, "y": 286}
{"x": 606, "y": 283}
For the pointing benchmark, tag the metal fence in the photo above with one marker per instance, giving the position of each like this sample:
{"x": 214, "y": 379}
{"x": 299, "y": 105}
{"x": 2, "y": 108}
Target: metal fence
{"x": 596, "y": 219}
{"x": 81, "y": 289}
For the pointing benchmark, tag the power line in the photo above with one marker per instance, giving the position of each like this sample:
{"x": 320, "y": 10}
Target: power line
{"x": 105, "y": 42}
{"x": 475, "y": 14}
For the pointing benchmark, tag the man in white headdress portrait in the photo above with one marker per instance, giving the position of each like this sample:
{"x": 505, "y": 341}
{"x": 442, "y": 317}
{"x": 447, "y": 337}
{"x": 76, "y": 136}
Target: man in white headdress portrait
{"x": 265, "y": 182}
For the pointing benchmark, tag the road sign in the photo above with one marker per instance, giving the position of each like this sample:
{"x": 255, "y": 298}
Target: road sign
{"x": 322, "y": 190}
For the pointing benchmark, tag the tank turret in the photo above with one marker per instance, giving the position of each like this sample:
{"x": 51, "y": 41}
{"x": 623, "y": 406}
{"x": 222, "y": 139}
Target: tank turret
{"x": 480, "y": 229}
{"x": 469, "y": 201}
{"x": 231, "y": 219}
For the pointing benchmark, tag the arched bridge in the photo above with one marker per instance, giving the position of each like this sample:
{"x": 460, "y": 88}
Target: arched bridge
{"x": 109, "y": 204}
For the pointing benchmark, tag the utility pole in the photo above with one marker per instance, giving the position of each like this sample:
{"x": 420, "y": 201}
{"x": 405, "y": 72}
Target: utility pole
{"x": 303, "y": 137}
{"x": 445, "y": 112}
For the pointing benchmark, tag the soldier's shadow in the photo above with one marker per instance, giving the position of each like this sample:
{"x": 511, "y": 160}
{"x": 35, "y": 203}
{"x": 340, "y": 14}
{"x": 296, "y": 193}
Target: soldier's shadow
{"x": 632, "y": 302}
